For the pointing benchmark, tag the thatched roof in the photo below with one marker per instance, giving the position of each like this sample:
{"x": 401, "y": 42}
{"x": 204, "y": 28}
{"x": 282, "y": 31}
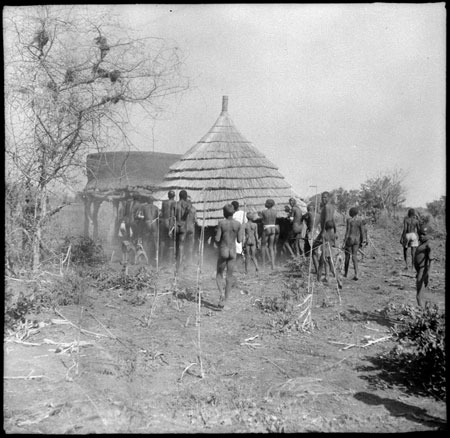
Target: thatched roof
{"x": 224, "y": 166}
{"x": 127, "y": 170}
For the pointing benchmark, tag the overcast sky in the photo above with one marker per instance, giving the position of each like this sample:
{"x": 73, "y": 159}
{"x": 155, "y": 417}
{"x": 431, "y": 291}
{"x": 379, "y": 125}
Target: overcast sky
{"x": 332, "y": 94}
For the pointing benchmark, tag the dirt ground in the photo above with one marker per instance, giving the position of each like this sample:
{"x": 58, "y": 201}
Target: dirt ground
{"x": 139, "y": 364}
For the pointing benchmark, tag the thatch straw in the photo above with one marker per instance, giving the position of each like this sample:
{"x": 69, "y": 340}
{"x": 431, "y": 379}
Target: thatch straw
{"x": 230, "y": 168}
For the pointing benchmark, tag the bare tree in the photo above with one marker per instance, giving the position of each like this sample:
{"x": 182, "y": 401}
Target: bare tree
{"x": 71, "y": 73}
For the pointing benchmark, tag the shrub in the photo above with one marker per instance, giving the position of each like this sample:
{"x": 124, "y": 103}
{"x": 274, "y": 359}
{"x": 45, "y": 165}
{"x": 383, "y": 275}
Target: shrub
{"x": 16, "y": 308}
{"x": 84, "y": 251}
{"x": 422, "y": 347}
{"x": 63, "y": 291}
{"x": 276, "y": 304}
{"x": 298, "y": 266}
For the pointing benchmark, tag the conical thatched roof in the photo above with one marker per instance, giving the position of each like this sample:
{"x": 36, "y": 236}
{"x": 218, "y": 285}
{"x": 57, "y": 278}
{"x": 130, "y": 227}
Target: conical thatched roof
{"x": 224, "y": 166}
{"x": 127, "y": 170}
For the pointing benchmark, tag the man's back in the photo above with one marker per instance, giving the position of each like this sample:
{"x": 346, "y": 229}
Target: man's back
{"x": 269, "y": 216}
{"x": 181, "y": 210}
{"x": 191, "y": 219}
{"x": 150, "y": 212}
{"x": 411, "y": 225}
{"x": 354, "y": 231}
{"x": 228, "y": 233}
{"x": 168, "y": 208}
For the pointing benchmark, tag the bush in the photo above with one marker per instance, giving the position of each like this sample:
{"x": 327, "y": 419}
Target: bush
{"x": 421, "y": 349}
{"x": 84, "y": 251}
{"x": 63, "y": 291}
{"x": 16, "y": 308}
{"x": 297, "y": 265}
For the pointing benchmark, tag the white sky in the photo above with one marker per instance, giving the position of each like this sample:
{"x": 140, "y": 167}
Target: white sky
{"x": 332, "y": 94}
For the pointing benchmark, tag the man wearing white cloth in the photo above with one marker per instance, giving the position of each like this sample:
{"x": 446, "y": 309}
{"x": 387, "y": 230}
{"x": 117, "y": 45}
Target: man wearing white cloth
{"x": 238, "y": 215}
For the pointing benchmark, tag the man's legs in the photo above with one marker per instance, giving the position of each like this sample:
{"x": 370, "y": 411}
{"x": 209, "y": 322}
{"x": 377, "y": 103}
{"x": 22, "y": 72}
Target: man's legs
{"x": 221, "y": 264}
{"x": 420, "y": 282}
{"x": 347, "y": 260}
{"x": 413, "y": 255}
{"x": 297, "y": 247}
{"x": 180, "y": 249}
{"x": 355, "y": 260}
{"x": 264, "y": 248}
{"x": 229, "y": 282}
{"x": 405, "y": 256}
{"x": 252, "y": 254}
{"x": 271, "y": 249}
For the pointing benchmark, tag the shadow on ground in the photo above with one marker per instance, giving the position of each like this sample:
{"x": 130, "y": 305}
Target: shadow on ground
{"x": 400, "y": 409}
{"x": 190, "y": 294}
{"x": 353, "y": 315}
{"x": 392, "y": 372}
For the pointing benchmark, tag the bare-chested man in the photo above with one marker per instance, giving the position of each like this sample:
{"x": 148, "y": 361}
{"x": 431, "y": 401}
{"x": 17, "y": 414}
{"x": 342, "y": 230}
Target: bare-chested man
{"x": 250, "y": 244}
{"x": 191, "y": 221}
{"x": 136, "y": 216}
{"x": 422, "y": 262}
{"x": 296, "y": 215}
{"x": 150, "y": 228}
{"x": 311, "y": 219}
{"x": 327, "y": 214}
{"x": 354, "y": 238}
{"x": 166, "y": 230}
{"x": 327, "y": 226}
{"x": 269, "y": 235}
{"x": 181, "y": 214}
{"x": 326, "y": 260}
{"x": 410, "y": 236}
{"x": 228, "y": 232}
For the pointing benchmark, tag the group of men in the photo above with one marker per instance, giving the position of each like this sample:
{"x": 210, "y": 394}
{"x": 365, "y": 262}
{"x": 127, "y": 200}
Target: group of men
{"x": 159, "y": 231}
{"x": 320, "y": 236}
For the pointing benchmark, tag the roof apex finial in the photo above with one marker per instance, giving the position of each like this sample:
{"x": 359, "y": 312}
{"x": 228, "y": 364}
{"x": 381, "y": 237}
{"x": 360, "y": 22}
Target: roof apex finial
{"x": 224, "y": 104}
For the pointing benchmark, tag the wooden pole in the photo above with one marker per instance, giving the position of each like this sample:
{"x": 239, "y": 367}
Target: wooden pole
{"x": 312, "y": 240}
{"x": 157, "y": 243}
{"x": 199, "y": 288}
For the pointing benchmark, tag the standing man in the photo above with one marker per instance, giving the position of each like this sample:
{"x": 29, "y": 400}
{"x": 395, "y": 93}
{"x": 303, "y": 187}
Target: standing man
{"x": 239, "y": 216}
{"x": 268, "y": 219}
{"x": 326, "y": 214}
{"x": 311, "y": 220}
{"x": 250, "y": 244}
{"x": 135, "y": 217}
{"x": 410, "y": 236}
{"x": 296, "y": 217}
{"x": 327, "y": 229}
{"x": 228, "y": 232}
{"x": 422, "y": 262}
{"x": 191, "y": 221}
{"x": 354, "y": 238}
{"x": 181, "y": 214}
{"x": 167, "y": 221}
{"x": 150, "y": 228}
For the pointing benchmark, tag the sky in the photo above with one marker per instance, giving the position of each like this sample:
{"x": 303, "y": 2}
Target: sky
{"x": 332, "y": 94}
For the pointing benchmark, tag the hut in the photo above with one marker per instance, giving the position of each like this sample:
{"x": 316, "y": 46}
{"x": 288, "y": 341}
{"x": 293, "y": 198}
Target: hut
{"x": 116, "y": 176}
{"x": 223, "y": 166}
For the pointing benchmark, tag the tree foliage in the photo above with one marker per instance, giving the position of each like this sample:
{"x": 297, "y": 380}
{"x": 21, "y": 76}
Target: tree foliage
{"x": 345, "y": 199}
{"x": 437, "y": 207}
{"x": 71, "y": 75}
{"x": 384, "y": 191}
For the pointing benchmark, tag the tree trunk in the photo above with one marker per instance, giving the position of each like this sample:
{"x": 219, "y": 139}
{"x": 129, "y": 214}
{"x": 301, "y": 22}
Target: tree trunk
{"x": 36, "y": 248}
{"x": 40, "y": 211}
